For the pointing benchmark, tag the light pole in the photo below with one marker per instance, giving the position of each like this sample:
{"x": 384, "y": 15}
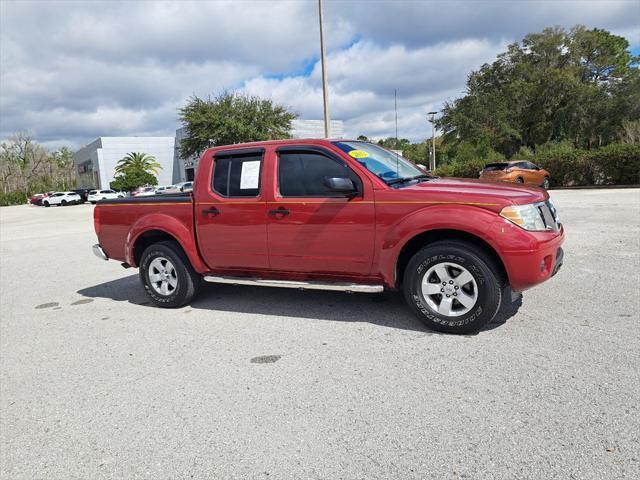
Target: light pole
{"x": 325, "y": 87}
{"x": 433, "y": 140}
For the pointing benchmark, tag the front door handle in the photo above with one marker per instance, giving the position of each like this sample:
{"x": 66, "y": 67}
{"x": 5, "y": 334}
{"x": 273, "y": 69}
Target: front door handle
{"x": 211, "y": 211}
{"x": 279, "y": 211}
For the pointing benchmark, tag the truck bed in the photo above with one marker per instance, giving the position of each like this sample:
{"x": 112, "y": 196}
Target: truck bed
{"x": 120, "y": 220}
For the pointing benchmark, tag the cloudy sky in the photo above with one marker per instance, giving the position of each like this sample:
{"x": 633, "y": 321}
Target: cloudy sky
{"x": 75, "y": 70}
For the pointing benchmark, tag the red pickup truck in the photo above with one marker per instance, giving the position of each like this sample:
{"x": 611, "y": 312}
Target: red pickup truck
{"x": 337, "y": 215}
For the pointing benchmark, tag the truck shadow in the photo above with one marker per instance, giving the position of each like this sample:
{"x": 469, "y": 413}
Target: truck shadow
{"x": 387, "y": 309}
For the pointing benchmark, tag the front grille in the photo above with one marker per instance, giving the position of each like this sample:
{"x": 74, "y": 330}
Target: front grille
{"x": 549, "y": 215}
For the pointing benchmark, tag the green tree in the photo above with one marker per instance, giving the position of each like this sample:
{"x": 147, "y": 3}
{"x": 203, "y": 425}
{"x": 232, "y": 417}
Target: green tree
{"x": 135, "y": 169}
{"x": 394, "y": 143}
{"x": 23, "y": 163}
{"x": 231, "y": 118}
{"x": 133, "y": 179}
{"x": 138, "y": 162}
{"x": 27, "y": 167}
{"x": 63, "y": 164}
{"x": 578, "y": 85}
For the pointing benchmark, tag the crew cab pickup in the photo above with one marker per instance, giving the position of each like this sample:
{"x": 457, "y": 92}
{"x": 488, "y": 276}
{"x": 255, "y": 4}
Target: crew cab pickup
{"x": 337, "y": 215}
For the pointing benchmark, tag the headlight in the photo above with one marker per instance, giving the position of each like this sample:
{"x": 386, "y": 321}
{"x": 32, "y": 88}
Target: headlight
{"x": 525, "y": 216}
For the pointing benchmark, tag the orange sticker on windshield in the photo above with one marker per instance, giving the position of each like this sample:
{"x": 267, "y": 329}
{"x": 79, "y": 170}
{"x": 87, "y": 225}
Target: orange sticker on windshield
{"x": 358, "y": 154}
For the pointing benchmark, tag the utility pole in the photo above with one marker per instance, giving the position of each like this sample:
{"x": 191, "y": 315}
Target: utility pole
{"x": 432, "y": 163}
{"x": 325, "y": 87}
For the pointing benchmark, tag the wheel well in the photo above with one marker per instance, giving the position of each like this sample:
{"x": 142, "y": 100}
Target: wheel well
{"x": 423, "y": 239}
{"x": 149, "y": 238}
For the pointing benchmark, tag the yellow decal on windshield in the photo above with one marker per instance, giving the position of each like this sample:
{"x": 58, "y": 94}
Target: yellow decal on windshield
{"x": 358, "y": 154}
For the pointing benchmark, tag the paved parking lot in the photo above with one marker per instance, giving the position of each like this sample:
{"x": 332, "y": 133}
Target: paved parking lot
{"x": 269, "y": 383}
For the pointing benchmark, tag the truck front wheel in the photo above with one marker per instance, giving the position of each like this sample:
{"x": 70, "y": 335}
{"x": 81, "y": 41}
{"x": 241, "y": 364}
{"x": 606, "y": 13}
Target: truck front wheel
{"x": 453, "y": 287}
{"x": 167, "y": 275}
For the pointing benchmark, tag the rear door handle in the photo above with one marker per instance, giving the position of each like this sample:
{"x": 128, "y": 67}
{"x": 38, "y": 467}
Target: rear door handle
{"x": 279, "y": 211}
{"x": 211, "y": 211}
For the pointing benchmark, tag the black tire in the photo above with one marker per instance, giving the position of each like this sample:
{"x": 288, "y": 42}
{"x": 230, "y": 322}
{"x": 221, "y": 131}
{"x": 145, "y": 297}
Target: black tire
{"x": 546, "y": 183}
{"x": 519, "y": 180}
{"x": 488, "y": 281}
{"x": 188, "y": 281}
{"x": 63, "y": 203}
{"x": 46, "y": 204}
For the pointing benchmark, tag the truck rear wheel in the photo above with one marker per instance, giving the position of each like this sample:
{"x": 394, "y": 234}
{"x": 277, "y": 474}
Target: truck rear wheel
{"x": 167, "y": 275}
{"x": 453, "y": 287}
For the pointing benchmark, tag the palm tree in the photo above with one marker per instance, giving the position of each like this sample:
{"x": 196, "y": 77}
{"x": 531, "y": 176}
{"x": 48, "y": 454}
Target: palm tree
{"x": 138, "y": 162}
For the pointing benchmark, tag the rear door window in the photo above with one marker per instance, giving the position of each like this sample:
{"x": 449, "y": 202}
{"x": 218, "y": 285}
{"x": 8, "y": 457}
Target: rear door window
{"x": 237, "y": 175}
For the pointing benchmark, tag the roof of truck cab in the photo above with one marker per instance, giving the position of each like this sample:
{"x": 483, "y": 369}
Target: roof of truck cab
{"x": 289, "y": 141}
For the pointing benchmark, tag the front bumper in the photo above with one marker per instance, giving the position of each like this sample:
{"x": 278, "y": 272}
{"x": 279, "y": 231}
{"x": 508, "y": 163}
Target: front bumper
{"x": 529, "y": 258}
{"x": 99, "y": 252}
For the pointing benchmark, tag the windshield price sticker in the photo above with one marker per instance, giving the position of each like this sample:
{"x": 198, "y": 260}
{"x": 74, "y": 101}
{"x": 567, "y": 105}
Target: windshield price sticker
{"x": 358, "y": 154}
{"x": 250, "y": 175}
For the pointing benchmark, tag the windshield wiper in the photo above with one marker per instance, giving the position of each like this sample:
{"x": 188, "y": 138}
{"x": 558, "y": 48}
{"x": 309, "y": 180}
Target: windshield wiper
{"x": 396, "y": 181}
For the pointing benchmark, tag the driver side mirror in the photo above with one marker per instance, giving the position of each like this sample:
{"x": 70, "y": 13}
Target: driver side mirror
{"x": 340, "y": 184}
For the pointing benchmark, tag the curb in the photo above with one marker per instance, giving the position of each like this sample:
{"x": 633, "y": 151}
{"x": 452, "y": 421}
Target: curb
{"x": 594, "y": 187}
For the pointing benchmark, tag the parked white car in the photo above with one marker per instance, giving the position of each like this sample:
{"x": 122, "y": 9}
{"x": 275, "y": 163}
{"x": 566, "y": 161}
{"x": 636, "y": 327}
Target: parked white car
{"x": 185, "y": 186}
{"x": 61, "y": 198}
{"x": 143, "y": 192}
{"x": 166, "y": 189}
{"x": 95, "y": 195}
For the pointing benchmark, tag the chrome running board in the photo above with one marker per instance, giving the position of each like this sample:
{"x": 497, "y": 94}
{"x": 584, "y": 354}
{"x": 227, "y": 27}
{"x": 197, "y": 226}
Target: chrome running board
{"x": 338, "y": 287}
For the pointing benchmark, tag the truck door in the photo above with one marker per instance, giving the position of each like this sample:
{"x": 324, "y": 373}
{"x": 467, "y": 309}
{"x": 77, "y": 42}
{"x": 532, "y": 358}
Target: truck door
{"x": 315, "y": 230}
{"x": 231, "y": 212}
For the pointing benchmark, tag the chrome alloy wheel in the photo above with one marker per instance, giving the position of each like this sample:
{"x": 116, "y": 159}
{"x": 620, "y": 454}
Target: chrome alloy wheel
{"x": 163, "y": 276}
{"x": 449, "y": 289}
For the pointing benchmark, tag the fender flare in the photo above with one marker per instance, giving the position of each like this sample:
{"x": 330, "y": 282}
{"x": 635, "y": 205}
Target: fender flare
{"x": 467, "y": 219}
{"x": 170, "y": 225}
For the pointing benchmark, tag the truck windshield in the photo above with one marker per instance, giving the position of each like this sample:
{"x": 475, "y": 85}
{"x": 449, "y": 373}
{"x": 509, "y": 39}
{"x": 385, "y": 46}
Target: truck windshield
{"x": 387, "y": 165}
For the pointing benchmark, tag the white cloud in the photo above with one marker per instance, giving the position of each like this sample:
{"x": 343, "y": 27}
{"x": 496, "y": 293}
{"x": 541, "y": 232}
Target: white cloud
{"x": 71, "y": 71}
{"x": 364, "y": 76}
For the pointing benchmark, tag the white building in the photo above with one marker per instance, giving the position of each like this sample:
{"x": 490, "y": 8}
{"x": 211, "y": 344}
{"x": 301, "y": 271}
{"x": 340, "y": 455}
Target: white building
{"x": 299, "y": 129}
{"x": 95, "y": 163}
{"x": 186, "y": 166}
{"x": 315, "y": 129}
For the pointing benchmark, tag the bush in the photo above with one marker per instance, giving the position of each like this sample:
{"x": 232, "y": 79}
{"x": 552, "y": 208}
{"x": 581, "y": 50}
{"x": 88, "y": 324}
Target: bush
{"x": 615, "y": 164}
{"x": 469, "y": 169}
{"x": 565, "y": 167}
{"x": 12, "y": 198}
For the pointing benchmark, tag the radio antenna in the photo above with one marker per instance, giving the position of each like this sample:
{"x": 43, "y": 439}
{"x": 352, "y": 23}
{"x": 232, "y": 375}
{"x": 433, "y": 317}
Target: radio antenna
{"x": 395, "y": 103}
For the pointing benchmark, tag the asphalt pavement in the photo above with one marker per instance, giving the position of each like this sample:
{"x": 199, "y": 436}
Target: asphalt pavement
{"x": 257, "y": 383}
